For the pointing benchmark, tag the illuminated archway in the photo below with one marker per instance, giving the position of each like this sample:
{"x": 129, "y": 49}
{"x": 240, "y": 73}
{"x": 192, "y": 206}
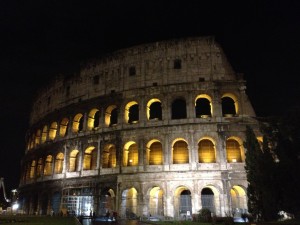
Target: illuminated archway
{"x": 63, "y": 127}
{"x": 109, "y": 156}
{"x": 37, "y": 137}
{"x": 53, "y": 130}
{"x": 154, "y": 110}
{"x": 129, "y": 203}
{"x": 130, "y": 154}
{"x": 74, "y": 161}
{"x": 131, "y": 112}
{"x": 106, "y": 201}
{"x": 93, "y": 119}
{"x": 203, "y": 106}
{"x": 48, "y": 165}
{"x": 77, "y": 123}
{"x": 44, "y": 134}
{"x": 32, "y": 169}
{"x": 182, "y": 202}
{"x": 154, "y": 153}
{"x": 234, "y": 150}
{"x": 180, "y": 152}
{"x": 206, "y": 151}
{"x": 111, "y": 116}
{"x": 90, "y": 158}
{"x": 59, "y": 163}
{"x": 238, "y": 200}
{"x": 230, "y": 106}
{"x": 156, "y": 205}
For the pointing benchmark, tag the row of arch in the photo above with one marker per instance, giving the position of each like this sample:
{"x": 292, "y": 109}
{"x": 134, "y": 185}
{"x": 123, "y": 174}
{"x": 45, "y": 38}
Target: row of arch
{"x": 131, "y": 156}
{"x": 154, "y": 111}
{"x": 179, "y": 202}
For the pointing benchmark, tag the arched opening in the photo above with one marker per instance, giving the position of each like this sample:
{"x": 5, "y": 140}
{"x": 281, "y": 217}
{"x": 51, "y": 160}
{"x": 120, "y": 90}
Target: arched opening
{"x": 180, "y": 152}
{"x": 208, "y": 199}
{"x": 77, "y": 123}
{"x": 74, "y": 161}
{"x": 130, "y": 154}
{"x": 203, "y": 107}
{"x": 183, "y": 203}
{"x": 229, "y": 105}
{"x": 39, "y": 169}
{"x": 53, "y": 130}
{"x": 48, "y": 166}
{"x": 109, "y": 156}
{"x": 59, "y": 163}
{"x": 90, "y": 159}
{"x": 111, "y": 116}
{"x": 206, "y": 151}
{"x": 155, "y": 153}
{"x": 129, "y": 204}
{"x": 178, "y": 109}
{"x": 106, "y": 202}
{"x": 44, "y": 134}
{"x": 233, "y": 150}
{"x": 154, "y": 110}
{"x": 93, "y": 119}
{"x": 63, "y": 128}
{"x": 37, "y": 138}
{"x": 238, "y": 200}
{"x": 156, "y": 204}
{"x": 32, "y": 169}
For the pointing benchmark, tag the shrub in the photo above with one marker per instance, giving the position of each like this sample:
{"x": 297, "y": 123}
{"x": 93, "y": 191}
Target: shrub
{"x": 204, "y": 215}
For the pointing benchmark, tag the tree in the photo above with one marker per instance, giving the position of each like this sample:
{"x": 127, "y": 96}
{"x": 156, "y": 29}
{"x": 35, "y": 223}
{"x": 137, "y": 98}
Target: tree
{"x": 259, "y": 166}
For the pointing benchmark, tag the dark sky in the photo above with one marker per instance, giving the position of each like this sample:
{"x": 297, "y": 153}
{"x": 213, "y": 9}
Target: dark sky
{"x": 41, "y": 38}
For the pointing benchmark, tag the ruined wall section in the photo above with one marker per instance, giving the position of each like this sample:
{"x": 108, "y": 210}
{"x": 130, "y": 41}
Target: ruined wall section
{"x": 199, "y": 59}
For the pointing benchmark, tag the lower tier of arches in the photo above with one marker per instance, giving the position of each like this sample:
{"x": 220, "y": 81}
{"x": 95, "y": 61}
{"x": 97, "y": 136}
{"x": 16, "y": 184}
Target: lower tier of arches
{"x": 173, "y": 195}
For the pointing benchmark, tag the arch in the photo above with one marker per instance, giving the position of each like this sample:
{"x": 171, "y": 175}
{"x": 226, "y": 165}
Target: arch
{"x": 109, "y": 156}
{"x": 129, "y": 203}
{"x": 53, "y": 130}
{"x": 182, "y": 202}
{"x": 37, "y": 137}
{"x": 230, "y": 106}
{"x": 234, "y": 150}
{"x": 111, "y": 116}
{"x": 90, "y": 158}
{"x": 107, "y": 201}
{"x": 44, "y": 134}
{"x": 48, "y": 165}
{"x": 156, "y": 205}
{"x": 39, "y": 169}
{"x": 154, "y": 152}
{"x": 93, "y": 119}
{"x": 63, "y": 127}
{"x": 180, "y": 152}
{"x": 238, "y": 200}
{"x": 154, "y": 109}
{"x": 179, "y": 109}
{"x": 32, "y": 169}
{"x": 77, "y": 123}
{"x": 206, "y": 151}
{"x": 210, "y": 198}
{"x": 203, "y": 106}
{"x": 131, "y": 112}
{"x": 74, "y": 161}
{"x": 59, "y": 163}
{"x": 130, "y": 154}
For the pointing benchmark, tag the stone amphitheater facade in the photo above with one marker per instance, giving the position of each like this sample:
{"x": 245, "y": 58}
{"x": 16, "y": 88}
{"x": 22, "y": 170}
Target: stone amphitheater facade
{"x": 156, "y": 129}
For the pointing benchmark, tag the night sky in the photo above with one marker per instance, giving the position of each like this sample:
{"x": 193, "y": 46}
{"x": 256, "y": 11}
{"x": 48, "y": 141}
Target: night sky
{"x": 40, "y": 39}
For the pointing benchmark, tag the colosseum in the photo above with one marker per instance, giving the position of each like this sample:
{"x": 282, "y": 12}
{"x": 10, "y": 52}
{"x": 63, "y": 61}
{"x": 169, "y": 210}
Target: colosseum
{"x": 155, "y": 129}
